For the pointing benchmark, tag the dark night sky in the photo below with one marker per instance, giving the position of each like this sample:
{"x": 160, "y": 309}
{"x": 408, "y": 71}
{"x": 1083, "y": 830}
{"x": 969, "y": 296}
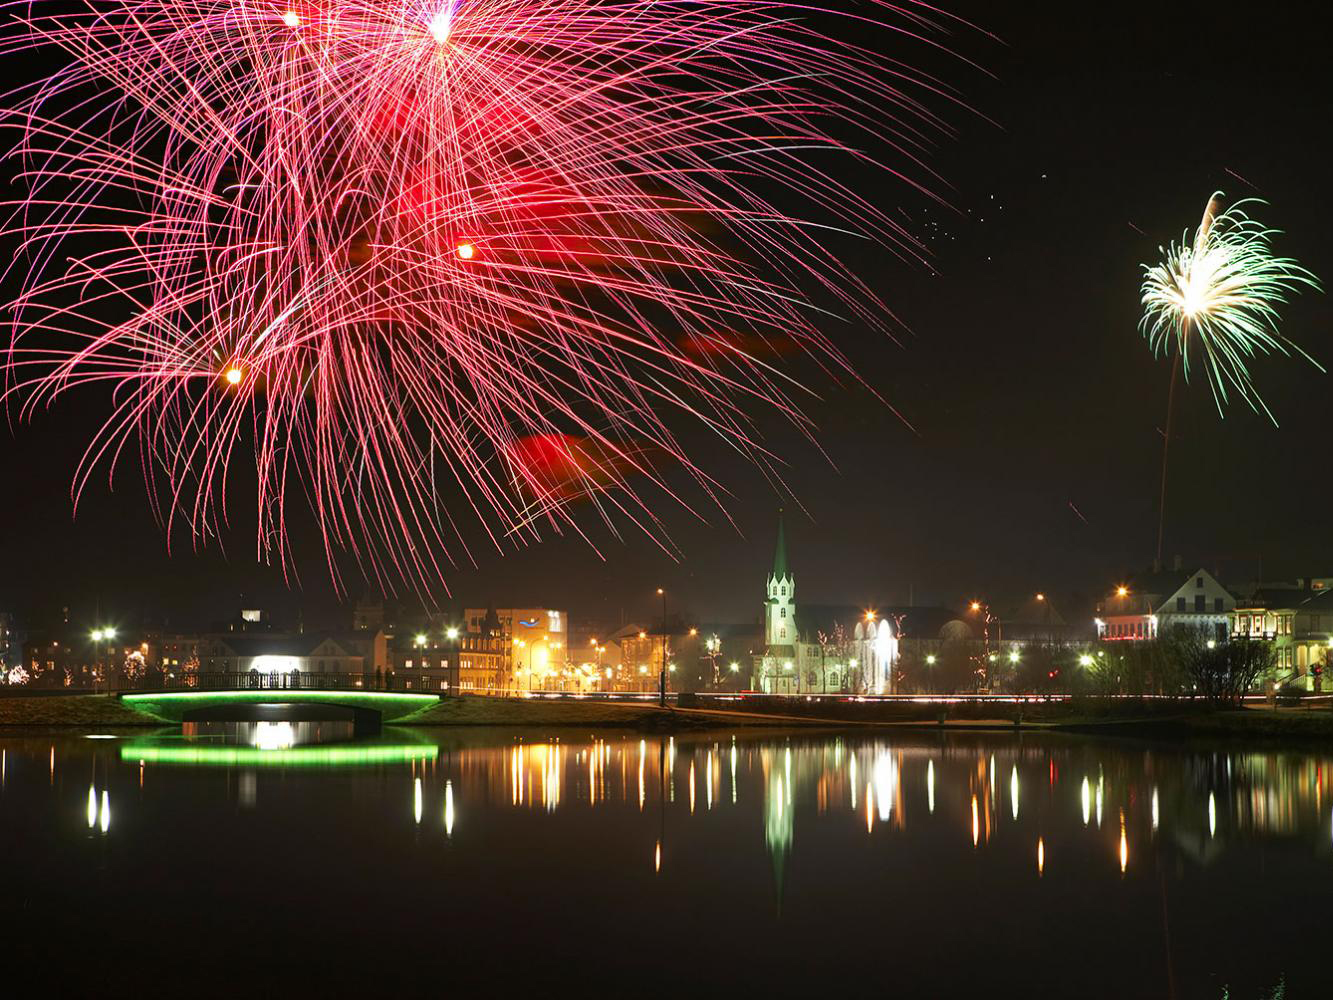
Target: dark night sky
{"x": 1025, "y": 378}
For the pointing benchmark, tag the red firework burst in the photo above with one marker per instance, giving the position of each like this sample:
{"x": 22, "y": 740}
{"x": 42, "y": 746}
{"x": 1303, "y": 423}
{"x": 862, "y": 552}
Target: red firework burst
{"x": 388, "y": 246}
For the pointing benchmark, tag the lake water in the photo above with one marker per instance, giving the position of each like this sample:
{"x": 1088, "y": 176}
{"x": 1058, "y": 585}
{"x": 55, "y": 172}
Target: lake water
{"x": 291, "y": 861}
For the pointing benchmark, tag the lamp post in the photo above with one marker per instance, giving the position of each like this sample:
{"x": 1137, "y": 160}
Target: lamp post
{"x": 662, "y": 677}
{"x": 108, "y": 635}
{"x": 451, "y": 634}
{"x": 986, "y": 618}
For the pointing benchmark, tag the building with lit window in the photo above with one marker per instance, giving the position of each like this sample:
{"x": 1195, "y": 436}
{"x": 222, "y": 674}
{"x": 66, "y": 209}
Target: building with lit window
{"x": 11, "y": 645}
{"x": 851, "y": 651}
{"x": 225, "y": 658}
{"x": 1153, "y": 604}
{"x": 1298, "y": 620}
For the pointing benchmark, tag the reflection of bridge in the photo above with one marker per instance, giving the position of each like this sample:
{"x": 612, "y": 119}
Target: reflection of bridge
{"x": 366, "y": 710}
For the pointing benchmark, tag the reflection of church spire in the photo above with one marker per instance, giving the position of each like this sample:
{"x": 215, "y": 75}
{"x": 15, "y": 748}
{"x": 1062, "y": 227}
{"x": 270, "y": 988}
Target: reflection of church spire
{"x": 779, "y": 817}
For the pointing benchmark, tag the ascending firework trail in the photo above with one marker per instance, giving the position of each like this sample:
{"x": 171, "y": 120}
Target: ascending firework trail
{"x": 1217, "y": 296}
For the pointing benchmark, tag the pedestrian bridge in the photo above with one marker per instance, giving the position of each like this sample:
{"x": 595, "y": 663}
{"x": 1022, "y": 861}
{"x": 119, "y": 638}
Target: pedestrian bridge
{"x": 365, "y": 709}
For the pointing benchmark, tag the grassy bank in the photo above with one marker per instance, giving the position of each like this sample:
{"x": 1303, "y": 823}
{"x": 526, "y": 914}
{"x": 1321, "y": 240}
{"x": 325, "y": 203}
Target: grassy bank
{"x": 1242, "y": 723}
{"x": 590, "y": 713}
{"x": 92, "y": 711}
{"x": 77, "y": 710}
{"x": 1149, "y": 719}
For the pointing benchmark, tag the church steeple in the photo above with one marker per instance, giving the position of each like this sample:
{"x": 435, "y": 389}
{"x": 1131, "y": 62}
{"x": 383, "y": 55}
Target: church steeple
{"x": 780, "y": 600}
{"x": 780, "y": 553}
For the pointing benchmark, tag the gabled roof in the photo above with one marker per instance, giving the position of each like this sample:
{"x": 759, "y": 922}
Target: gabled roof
{"x": 1319, "y": 602}
{"x": 1158, "y": 584}
{"x": 274, "y": 644}
{"x": 1034, "y": 612}
{"x": 1276, "y": 597}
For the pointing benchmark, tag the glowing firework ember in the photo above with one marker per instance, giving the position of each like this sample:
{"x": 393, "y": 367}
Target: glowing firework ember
{"x": 1217, "y": 296}
{"x": 381, "y": 245}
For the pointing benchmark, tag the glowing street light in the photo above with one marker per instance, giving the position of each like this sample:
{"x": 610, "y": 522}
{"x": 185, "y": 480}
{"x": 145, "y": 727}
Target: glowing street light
{"x": 930, "y": 660}
{"x": 451, "y": 633}
{"x": 1122, "y": 591}
{"x": 1085, "y": 660}
{"x": 735, "y": 667}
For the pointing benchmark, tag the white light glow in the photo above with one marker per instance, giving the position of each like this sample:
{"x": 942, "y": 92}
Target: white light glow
{"x": 442, "y": 22}
{"x": 274, "y": 735}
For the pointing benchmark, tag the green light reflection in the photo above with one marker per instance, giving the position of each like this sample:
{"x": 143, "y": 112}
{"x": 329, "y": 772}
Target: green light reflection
{"x": 308, "y": 756}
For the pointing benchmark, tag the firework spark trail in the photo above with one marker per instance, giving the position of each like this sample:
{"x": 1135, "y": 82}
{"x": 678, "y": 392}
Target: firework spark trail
{"x": 385, "y": 244}
{"x": 1218, "y": 294}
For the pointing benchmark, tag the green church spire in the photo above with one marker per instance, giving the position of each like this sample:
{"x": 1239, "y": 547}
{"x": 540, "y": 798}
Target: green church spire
{"x": 780, "y": 553}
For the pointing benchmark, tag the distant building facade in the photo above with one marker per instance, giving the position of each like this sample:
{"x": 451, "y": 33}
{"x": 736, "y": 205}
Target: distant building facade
{"x": 1298, "y": 620}
{"x": 853, "y": 655}
{"x": 1153, "y": 604}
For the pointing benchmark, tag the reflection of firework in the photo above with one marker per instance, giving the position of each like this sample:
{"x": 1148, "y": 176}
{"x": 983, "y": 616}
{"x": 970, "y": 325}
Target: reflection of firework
{"x": 1217, "y": 296}
{"x": 390, "y": 242}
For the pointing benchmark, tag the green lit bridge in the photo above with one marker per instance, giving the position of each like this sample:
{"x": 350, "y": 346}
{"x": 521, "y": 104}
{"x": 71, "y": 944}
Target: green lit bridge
{"x": 366, "y": 710}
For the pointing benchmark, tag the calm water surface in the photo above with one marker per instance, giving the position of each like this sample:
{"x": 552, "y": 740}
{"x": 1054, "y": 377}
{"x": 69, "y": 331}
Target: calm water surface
{"x": 287, "y": 858}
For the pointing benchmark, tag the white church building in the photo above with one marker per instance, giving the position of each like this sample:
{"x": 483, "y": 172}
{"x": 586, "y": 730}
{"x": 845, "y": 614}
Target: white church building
{"x": 848, "y": 651}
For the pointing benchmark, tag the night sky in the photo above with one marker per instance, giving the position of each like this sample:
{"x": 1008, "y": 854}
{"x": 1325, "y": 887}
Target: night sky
{"x": 1033, "y": 458}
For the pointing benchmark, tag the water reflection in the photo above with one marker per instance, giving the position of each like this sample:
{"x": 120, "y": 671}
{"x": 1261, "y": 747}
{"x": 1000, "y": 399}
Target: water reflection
{"x": 772, "y": 822}
{"x": 268, "y": 735}
{"x": 1218, "y": 797}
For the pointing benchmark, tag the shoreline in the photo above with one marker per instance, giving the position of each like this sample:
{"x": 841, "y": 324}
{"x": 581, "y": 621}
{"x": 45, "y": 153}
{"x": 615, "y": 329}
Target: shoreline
{"x": 84, "y": 711}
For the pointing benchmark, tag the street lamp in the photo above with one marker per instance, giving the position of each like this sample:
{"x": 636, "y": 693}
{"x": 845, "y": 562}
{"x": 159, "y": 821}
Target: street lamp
{"x": 98, "y": 636}
{"x": 662, "y": 677}
{"x": 451, "y": 633}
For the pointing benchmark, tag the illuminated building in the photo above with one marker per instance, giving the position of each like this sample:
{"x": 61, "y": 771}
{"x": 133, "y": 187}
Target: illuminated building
{"x": 521, "y": 623}
{"x": 1152, "y": 604}
{"x": 1298, "y": 620}
{"x": 11, "y": 646}
{"x": 855, "y": 654}
{"x": 226, "y": 657}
